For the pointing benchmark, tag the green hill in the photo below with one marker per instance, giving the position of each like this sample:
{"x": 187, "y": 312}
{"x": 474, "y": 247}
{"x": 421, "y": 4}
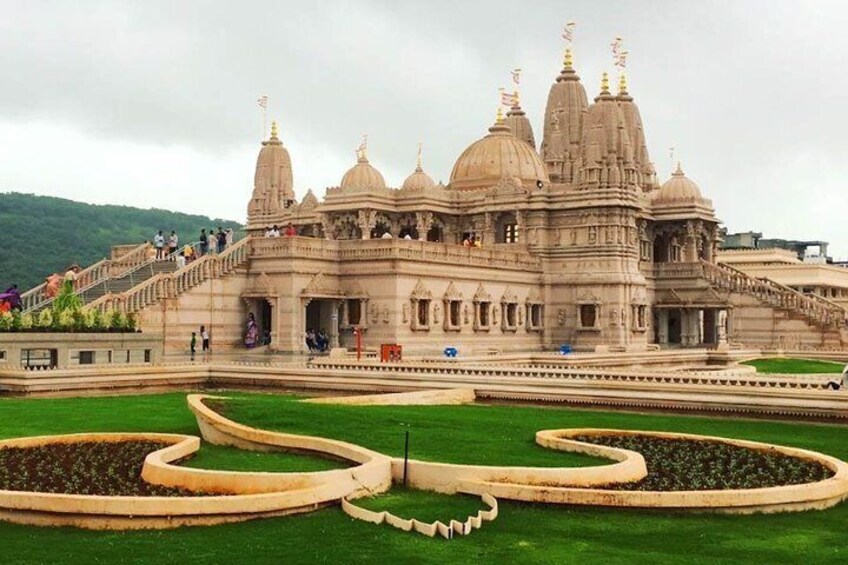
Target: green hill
{"x": 43, "y": 234}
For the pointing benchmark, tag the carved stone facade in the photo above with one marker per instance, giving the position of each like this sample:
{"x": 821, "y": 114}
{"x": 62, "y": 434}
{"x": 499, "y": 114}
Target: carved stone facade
{"x": 576, "y": 244}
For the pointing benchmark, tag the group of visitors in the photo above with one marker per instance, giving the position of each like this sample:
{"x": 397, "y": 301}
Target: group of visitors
{"x": 10, "y": 300}
{"x": 159, "y": 245}
{"x": 471, "y": 240}
{"x": 317, "y": 341}
{"x": 209, "y": 243}
{"x": 205, "y": 343}
{"x": 274, "y": 231}
{"x": 252, "y": 338}
{"x": 215, "y": 242}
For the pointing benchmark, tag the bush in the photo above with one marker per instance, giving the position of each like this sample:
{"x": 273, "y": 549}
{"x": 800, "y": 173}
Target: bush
{"x": 6, "y": 321}
{"x": 45, "y": 319}
{"x": 27, "y": 321}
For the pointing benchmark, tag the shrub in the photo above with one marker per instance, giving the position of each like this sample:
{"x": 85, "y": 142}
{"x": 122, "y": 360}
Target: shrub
{"x": 6, "y": 321}
{"x": 27, "y": 321}
{"x": 65, "y": 320}
{"x": 45, "y": 318}
{"x": 16, "y": 321}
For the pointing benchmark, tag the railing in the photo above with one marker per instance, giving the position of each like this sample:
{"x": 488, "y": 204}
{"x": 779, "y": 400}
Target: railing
{"x": 379, "y": 249}
{"x": 171, "y": 285}
{"x": 36, "y": 298}
{"x": 815, "y": 310}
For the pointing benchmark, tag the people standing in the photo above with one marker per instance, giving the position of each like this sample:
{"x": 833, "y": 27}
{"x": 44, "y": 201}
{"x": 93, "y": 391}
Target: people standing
{"x": 252, "y": 336}
{"x": 229, "y": 236}
{"x": 193, "y": 345}
{"x": 290, "y": 230}
{"x": 204, "y": 243}
{"x": 205, "y": 343}
{"x": 222, "y": 240}
{"x": 173, "y": 243}
{"x": 159, "y": 244}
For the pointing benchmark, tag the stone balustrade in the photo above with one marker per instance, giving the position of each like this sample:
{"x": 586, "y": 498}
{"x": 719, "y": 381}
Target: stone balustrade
{"x": 391, "y": 249}
{"x": 36, "y": 299}
{"x": 171, "y": 285}
{"x": 814, "y": 309}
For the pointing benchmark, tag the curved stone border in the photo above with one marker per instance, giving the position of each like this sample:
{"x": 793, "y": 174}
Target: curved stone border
{"x": 447, "y": 531}
{"x": 818, "y": 495}
{"x": 371, "y": 475}
{"x": 154, "y": 512}
{"x": 443, "y": 397}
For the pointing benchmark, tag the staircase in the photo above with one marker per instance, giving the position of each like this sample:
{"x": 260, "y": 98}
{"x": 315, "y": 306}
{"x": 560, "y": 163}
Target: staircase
{"x": 89, "y": 278}
{"x": 813, "y": 309}
{"x": 164, "y": 282}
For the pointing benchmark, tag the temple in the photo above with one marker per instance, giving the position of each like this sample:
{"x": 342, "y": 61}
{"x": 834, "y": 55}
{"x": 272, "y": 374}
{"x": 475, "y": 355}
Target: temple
{"x": 573, "y": 243}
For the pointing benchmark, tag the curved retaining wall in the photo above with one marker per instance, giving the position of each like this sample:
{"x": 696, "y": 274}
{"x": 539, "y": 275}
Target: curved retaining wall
{"x": 818, "y": 495}
{"x": 152, "y": 512}
{"x": 447, "y": 531}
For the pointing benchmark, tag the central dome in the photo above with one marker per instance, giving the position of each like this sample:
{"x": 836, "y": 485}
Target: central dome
{"x": 499, "y": 155}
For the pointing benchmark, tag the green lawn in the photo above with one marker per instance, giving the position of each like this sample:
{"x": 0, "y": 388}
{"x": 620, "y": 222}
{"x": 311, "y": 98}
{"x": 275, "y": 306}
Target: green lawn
{"x": 782, "y": 365}
{"x": 424, "y": 506}
{"x": 523, "y": 533}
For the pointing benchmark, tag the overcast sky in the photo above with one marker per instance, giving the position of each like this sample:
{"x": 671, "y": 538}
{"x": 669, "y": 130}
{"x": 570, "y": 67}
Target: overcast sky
{"x": 154, "y": 103}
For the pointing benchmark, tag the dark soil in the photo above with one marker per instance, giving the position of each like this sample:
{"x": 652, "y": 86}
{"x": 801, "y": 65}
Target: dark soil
{"x": 98, "y": 468}
{"x": 685, "y": 464}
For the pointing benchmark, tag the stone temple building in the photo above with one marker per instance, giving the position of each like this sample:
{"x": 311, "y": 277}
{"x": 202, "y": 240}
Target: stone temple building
{"x": 581, "y": 244}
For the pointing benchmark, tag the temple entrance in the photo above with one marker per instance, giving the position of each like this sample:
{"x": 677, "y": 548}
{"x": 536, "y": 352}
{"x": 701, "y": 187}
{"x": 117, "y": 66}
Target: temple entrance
{"x": 321, "y": 318}
{"x": 263, "y": 313}
{"x": 690, "y": 327}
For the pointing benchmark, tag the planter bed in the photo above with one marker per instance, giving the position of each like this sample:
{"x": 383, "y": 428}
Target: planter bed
{"x": 90, "y": 468}
{"x": 690, "y": 465}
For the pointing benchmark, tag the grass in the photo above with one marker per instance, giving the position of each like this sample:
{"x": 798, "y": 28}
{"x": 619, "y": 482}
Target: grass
{"x": 523, "y": 533}
{"x": 423, "y": 505}
{"x": 794, "y": 366}
{"x": 231, "y": 459}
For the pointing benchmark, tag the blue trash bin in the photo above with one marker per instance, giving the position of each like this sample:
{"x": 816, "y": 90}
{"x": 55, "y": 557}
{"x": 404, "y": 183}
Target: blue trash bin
{"x": 564, "y": 349}
{"x": 450, "y": 352}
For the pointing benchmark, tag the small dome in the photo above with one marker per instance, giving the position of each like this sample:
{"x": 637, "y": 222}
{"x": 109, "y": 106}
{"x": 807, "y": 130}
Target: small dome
{"x": 499, "y": 155}
{"x": 678, "y": 187}
{"x": 418, "y": 180}
{"x": 362, "y": 176}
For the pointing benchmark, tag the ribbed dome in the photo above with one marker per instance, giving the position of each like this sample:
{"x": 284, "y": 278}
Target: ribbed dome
{"x": 363, "y": 176}
{"x": 499, "y": 155}
{"x": 678, "y": 187}
{"x": 418, "y": 180}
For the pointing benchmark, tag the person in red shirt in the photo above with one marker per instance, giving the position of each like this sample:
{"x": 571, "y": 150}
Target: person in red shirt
{"x": 290, "y": 231}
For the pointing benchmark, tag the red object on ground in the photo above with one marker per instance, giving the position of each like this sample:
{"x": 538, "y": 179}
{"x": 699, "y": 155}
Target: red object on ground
{"x": 391, "y": 352}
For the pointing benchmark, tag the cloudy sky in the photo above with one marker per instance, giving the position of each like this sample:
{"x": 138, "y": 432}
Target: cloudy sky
{"x": 153, "y": 104}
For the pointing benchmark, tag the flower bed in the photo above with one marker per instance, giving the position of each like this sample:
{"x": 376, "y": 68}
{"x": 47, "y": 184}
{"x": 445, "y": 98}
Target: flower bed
{"x": 93, "y": 468}
{"x": 687, "y": 464}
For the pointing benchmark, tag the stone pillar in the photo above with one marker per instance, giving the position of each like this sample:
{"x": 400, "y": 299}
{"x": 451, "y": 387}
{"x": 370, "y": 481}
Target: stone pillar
{"x": 662, "y": 326}
{"x": 423, "y": 223}
{"x": 334, "y": 323}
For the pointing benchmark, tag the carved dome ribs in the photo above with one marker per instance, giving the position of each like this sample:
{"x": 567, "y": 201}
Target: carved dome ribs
{"x": 499, "y": 155}
{"x": 362, "y": 176}
{"x": 679, "y": 188}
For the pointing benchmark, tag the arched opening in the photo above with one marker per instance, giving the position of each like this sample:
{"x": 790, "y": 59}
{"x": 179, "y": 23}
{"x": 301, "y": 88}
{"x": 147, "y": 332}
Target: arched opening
{"x": 436, "y": 233}
{"x": 506, "y": 228}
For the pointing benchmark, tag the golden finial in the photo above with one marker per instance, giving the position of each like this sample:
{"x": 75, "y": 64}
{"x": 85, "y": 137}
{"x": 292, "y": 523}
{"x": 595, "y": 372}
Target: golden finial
{"x": 274, "y": 130}
{"x": 622, "y": 84}
{"x": 567, "y": 59}
{"x": 420, "y": 146}
{"x": 605, "y": 83}
{"x": 499, "y": 119}
{"x": 517, "y": 101}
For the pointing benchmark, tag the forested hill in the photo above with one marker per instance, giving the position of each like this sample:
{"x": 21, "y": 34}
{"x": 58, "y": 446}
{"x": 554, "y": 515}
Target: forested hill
{"x": 43, "y": 234}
